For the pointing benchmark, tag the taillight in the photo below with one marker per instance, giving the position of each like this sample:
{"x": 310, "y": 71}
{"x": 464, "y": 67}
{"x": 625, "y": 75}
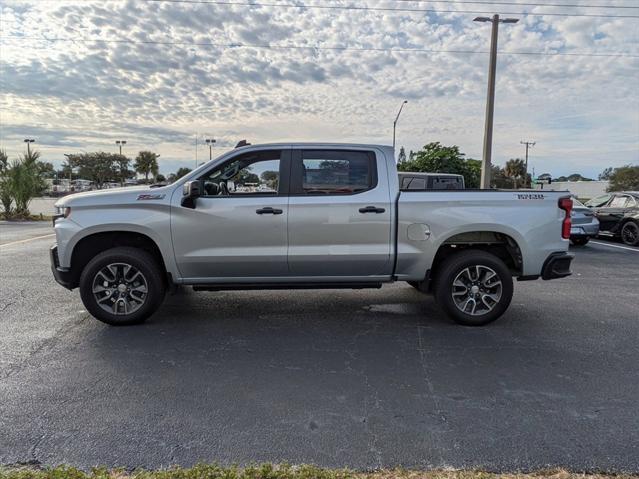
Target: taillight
{"x": 565, "y": 204}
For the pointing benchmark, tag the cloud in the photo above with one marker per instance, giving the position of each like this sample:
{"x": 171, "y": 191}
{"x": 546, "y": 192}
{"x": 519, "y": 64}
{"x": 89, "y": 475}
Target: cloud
{"x": 170, "y": 70}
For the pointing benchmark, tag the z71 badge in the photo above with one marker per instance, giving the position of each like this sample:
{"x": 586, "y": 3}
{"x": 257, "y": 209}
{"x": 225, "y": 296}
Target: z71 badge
{"x": 150, "y": 197}
{"x": 530, "y": 196}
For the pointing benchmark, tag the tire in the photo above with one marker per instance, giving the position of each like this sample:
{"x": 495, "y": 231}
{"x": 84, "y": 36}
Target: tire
{"x": 579, "y": 240}
{"x": 129, "y": 286}
{"x": 630, "y": 233}
{"x": 474, "y": 268}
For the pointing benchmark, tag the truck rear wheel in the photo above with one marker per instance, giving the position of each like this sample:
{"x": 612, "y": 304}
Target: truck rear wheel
{"x": 122, "y": 286}
{"x": 474, "y": 287}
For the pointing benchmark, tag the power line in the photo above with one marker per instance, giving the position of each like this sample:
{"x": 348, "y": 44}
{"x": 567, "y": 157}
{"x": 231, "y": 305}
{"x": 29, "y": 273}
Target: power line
{"x": 305, "y": 47}
{"x": 523, "y": 4}
{"x": 382, "y": 9}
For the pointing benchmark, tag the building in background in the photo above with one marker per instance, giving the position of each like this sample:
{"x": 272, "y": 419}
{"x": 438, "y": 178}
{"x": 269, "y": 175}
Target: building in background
{"x": 581, "y": 189}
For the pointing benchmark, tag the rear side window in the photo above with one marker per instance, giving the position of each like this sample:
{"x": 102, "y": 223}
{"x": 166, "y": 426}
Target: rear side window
{"x": 413, "y": 183}
{"x": 447, "y": 183}
{"x": 619, "y": 202}
{"x": 333, "y": 172}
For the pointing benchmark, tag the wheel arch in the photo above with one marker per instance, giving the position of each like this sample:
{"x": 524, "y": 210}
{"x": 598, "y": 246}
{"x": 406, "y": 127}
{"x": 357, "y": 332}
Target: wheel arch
{"x": 91, "y": 244}
{"x": 498, "y": 243}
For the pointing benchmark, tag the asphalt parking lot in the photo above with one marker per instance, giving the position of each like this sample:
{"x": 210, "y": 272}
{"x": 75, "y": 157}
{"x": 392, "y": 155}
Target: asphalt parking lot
{"x": 363, "y": 379}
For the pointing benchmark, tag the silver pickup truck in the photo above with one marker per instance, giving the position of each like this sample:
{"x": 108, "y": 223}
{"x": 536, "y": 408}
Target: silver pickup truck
{"x": 311, "y": 216}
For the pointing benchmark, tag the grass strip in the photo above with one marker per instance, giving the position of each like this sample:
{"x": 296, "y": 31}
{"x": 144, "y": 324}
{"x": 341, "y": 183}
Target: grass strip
{"x": 284, "y": 471}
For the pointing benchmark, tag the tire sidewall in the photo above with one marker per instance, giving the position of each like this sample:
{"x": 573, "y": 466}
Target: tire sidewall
{"x": 141, "y": 260}
{"x": 449, "y": 271}
{"x": 632, "y": 223}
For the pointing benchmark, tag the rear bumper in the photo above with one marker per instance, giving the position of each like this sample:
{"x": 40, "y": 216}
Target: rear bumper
{"x": 62, "y": 275}
{"x": 557, "y": 266}
{"x": 584, "y": 230}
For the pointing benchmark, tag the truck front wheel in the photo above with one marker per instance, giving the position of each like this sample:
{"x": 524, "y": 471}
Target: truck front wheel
{"x": 474, "y": 287}
{"x": 122, "y": 286}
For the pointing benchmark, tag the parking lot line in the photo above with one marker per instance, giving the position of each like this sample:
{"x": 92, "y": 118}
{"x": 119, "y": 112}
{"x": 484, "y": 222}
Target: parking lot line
{"x": 27, "y": 240}
{"x": 616, "y": 246}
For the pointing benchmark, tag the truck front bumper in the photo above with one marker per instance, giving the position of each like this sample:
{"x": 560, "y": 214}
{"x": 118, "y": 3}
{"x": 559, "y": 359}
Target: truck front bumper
{"x": 557, "y": 266}
{"x": 62, "y": 275}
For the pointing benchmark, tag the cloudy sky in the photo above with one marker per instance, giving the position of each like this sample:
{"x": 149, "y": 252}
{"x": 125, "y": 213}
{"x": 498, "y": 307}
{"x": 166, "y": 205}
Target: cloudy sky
{"x": 79, "y": 75}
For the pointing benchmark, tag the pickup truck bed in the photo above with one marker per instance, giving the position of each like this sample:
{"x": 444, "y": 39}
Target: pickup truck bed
{"x": 306, "y": 216}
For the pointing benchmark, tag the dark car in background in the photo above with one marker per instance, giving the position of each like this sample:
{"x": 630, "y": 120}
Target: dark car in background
{"x": 584, "y": 223}
{"x": 618, "y": 215}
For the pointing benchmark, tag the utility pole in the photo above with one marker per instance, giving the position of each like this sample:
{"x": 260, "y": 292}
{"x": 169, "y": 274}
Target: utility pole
{"x": 529, "y": 144}
{"x": 196, "y": 150}
{"x": 28, "y": 141}
{"x": 210, "y": 142}
{"x": 490, "y": 103}
{"x": 395, "y": 122}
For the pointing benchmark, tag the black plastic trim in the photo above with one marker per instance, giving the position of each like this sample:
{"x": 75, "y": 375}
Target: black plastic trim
{"x": 64, "y": 276}
{"x": 557, "y": 266}
{"x": 266, "y": 286}
{"x": 530, "y": 277}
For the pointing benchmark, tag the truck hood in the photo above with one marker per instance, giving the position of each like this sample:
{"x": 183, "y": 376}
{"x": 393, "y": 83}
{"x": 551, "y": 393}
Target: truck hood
{"x": 112, "y": 196}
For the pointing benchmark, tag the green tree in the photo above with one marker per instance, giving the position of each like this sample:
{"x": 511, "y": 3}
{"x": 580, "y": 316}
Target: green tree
{"x": 515, "y": 169}
{"x": 624, "y": 178}
{"x": 26, "y": 181}
{"x": 605, "y": 174}
{"x": 46, "y": 169}
{"x": 270, "y": 178}
{"x": 472, "y": 173}
{"x": 121, "y": 165}
{"x": 245, "y": 176}
{"x": 182, "y": 172}
{"x": 435, "y": 158}
{"x": 160, "y": 178}
{"x": 146, "y": 163}
{"x": 401, "y": 158}
{"x": 98, "y": 167}
{"x": 6, "y": 197}
{"x": 498, "y": 178}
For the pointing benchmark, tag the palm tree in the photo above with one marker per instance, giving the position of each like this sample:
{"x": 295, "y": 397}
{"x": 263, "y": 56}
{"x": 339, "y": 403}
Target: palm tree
{"x": 146, "y": 163}
{"x": 515, "y": 168}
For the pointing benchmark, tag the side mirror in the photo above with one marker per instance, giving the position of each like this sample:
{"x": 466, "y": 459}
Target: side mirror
{"x": 190, "y": 191}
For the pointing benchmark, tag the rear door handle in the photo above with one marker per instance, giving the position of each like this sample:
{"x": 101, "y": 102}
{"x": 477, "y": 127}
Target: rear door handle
{"x": 371, "y": 209}
{"x": 269, "y": 211}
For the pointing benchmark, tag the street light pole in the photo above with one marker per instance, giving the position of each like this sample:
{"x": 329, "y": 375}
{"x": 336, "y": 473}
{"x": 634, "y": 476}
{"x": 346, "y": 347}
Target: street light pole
{"x": 28, "y": 141}
{"x": 120, "y": 143}
{"x": 395, "y": 122}
{"x": 529, "y": 144}
{"x": 210, "y": 142}
{"x": 490, "y": 103}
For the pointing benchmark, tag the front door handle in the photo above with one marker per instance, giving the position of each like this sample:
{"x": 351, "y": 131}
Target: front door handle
{"x": 371, "y": 209}
{"x": 269, "y": 211}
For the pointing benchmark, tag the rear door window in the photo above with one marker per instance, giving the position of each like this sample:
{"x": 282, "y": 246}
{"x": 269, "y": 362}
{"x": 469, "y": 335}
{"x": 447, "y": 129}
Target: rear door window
{"x": 619, "y": 201}
{"x": 333, "y": 172}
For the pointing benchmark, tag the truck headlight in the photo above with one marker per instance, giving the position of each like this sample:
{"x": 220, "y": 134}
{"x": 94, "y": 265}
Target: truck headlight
{"x": 61, "y": 212}
{"x": 64, "y": 211}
